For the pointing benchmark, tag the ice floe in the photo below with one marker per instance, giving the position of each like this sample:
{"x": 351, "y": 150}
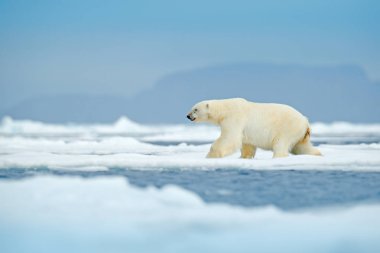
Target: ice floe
{"x": 66, "y": 214}
{"x": 126, "y": 144}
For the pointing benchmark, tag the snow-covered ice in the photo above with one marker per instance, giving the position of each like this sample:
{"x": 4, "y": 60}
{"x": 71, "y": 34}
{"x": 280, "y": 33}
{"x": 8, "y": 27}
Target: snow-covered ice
{"x": 126, "y": 144}
{"x": 110, "y": 214}
{"x": 49, "y": 214}
{"x": 130, "y": 153}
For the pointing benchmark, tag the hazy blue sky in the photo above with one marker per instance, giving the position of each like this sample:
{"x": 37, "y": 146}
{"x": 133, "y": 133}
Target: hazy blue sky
{"x": 122, "y": 47}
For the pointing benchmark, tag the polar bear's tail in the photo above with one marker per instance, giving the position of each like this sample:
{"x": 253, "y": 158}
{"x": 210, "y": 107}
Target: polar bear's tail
{"x": 304, "y": 146}
{"x": 306, "y": 137}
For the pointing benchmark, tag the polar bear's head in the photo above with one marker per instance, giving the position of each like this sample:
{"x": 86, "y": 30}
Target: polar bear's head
{"x": 217, "y": 110}
{"x": 200, "y": 112}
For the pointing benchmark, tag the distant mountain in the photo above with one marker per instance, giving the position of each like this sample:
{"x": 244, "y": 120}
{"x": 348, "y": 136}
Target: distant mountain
{"x": 341, "y": 93}
{"x": 322, "y": 93}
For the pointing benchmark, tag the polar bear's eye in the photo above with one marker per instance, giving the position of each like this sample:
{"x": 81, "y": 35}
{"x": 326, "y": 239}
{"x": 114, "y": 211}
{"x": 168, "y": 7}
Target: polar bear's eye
{"x": 195, "y": 110}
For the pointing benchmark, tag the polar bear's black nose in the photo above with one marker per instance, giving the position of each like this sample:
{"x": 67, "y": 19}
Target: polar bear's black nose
{"x": 189, "y": 116}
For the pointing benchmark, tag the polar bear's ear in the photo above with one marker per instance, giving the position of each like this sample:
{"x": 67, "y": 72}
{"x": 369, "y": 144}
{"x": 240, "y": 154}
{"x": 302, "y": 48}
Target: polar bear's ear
{"x": 207, "y": 106}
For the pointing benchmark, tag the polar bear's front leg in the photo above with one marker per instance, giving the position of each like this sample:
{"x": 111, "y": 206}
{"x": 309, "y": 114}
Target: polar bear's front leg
{"x": 225, "y": 145}
{"x": 215, "y": 153}
{"x": 248, "y": 151}
{"x": 221, "y": 149}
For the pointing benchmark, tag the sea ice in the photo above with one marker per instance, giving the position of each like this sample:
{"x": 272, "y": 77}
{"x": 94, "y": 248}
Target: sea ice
{"x": 66, "y": 214}
{"x": 28, "y": 144}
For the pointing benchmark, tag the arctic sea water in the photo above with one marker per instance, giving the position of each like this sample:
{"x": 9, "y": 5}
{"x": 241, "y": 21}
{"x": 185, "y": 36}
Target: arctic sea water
{"x": 126, "y": 187}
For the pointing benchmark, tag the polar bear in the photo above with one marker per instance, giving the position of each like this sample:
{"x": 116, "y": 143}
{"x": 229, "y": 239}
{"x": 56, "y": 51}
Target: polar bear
{"x": 246, "y": 126}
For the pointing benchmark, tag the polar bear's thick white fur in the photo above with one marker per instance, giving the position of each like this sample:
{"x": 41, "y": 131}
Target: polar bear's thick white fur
{"x": 246, "y": 126}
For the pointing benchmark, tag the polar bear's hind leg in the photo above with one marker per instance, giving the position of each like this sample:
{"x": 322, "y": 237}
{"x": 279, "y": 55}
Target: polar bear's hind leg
{"x": 304, "y": 147}
{"x": 280, "y": 149}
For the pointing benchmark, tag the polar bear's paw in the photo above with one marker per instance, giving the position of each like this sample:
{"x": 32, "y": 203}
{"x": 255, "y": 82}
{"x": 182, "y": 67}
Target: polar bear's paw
{"x": 248, "y": 151}
{"x": 214, "y": 154}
